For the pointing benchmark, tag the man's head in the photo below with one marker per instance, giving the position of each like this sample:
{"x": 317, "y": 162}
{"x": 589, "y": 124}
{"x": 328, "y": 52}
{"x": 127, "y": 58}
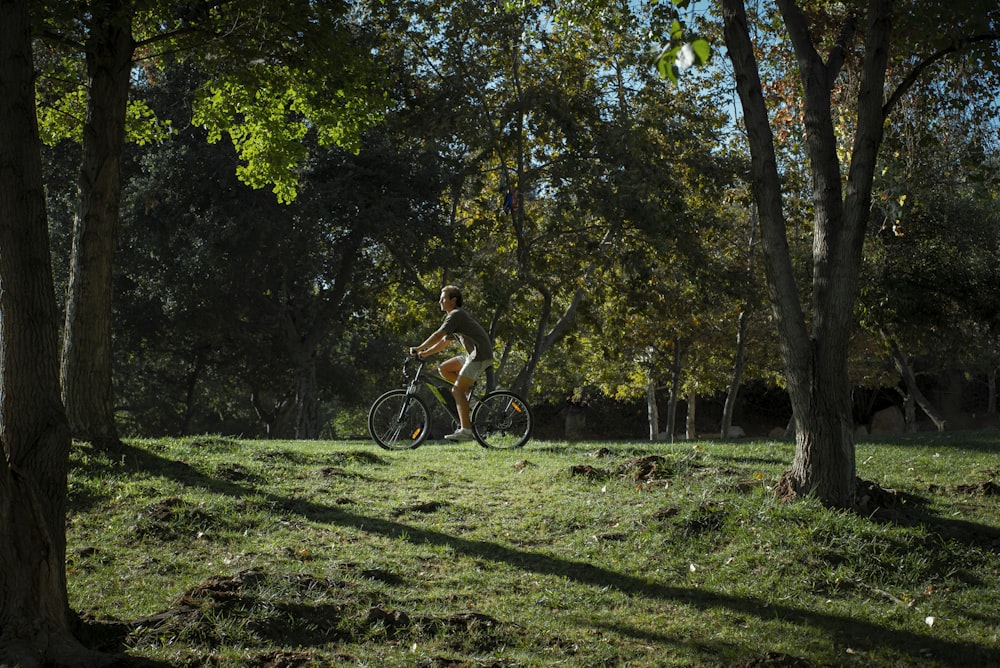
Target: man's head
{"x": 449, "y": 293}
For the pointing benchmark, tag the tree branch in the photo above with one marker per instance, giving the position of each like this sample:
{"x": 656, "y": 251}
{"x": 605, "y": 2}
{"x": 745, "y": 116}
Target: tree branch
{"x": 934, "y": 58}
{"x": 840, "y": 48}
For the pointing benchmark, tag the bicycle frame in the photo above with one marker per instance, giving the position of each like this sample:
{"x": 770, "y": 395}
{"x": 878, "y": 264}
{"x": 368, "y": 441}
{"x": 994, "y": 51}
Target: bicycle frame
{"x": 434, "y": 385}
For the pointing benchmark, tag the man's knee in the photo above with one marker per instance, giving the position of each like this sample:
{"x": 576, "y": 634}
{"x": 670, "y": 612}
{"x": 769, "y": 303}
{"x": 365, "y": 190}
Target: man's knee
{"x": 461, "y": 387}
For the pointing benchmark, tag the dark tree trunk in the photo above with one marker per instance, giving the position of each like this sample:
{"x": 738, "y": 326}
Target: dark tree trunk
{"x": 545, "y": 339}
{"x": 991, "y": 392}
{"x": 690, "y": 422}
{"x": 307, "y": 422}
{"x": 193, "y": 376}
{"x": 34, "y": 626}
{"x": 276, "y": 419}
{"x": 86, "y": 354}
{"x": 740, "y": 357}
{"x": 675, "y": 387}
{"x": 739, "y": 364}
{"x": 816, "y": 360}
{"x": 913, "y": 392}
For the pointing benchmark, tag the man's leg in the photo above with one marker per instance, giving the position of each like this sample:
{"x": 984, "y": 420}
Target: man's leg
{"x": 450, "y": 369}
{"x": 460, "y": 391}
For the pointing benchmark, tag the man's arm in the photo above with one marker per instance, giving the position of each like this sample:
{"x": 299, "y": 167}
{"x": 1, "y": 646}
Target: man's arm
{"x": 434, "y": 343}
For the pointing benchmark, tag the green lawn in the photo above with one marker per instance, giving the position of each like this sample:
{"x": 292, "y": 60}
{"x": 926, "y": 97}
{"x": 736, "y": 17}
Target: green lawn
{"x": 217, "y": 552}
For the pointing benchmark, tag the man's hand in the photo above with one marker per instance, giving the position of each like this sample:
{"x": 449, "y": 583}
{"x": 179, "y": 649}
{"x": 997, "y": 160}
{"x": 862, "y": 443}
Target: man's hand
{"x": 414, "y": 352}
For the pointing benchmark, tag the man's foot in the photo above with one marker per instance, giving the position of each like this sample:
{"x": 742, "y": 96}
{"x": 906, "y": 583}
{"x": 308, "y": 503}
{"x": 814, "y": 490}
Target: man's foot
{"x": 460, "y": 435}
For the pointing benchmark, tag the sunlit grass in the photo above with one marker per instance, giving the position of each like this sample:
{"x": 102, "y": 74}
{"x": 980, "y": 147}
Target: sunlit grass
{"x": 223, "y": 552}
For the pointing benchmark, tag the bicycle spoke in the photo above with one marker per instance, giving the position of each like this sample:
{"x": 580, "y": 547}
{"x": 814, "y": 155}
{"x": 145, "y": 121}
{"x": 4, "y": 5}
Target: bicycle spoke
{"x": 502, "y": 420}
{"x": 398, "y": 421}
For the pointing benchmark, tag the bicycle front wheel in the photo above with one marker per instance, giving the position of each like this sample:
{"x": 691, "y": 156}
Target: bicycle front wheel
{"x": 501, "y": 421}
{"x": 399, "y": 421}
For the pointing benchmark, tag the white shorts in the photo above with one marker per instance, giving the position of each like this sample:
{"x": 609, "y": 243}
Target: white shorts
{"x": 471, "y": 369}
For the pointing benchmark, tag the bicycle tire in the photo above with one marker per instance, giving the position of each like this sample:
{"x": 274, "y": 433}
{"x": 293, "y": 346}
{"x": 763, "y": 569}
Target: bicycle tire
{"x": 399, "y": 421}
{"x": 501, "y": 421}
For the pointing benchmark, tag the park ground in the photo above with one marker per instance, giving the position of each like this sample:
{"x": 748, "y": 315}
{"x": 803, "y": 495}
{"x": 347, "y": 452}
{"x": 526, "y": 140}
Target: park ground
{"x": 210, "y": 551}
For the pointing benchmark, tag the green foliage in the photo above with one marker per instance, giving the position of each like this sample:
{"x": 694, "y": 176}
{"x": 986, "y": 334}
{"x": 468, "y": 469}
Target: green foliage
{"x": 336, "y": 553}
{"x": 268, "y": 116}
{"x": 199, "y": 334}
{"x": 682, "y": 50}
{"x": 295, "y": 68}
{"x": 934, "y": 252}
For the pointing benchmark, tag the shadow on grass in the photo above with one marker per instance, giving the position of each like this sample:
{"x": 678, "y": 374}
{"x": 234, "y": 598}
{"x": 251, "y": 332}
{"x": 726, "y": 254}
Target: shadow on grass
{"x": 853, "y": 632}
{"x": 977, "y": 440}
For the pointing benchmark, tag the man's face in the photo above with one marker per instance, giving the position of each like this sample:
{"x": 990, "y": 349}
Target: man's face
{"x": 446, "y": 303}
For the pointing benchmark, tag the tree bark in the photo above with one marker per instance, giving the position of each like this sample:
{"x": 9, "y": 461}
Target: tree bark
{"x": 675, "y": 387}
{"x": 690, "y": 425}
{"x": 86, "y": 355}
{"x": 34, "y": 625}
{"x": 652, "y": 412}
{"x": 544, "y": 339}
{"x": 816, "y": 361}
{"x": 739, "y": 364}
{"x": 307, "y": 422}
{"x": 913, "y": 392}
{"x": 740, "y": 357}
{"x": 991, "y": 393}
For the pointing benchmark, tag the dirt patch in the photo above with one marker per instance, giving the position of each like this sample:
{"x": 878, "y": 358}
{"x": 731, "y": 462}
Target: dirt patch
{"x": 172, "y": 518}
{"x": 236, "y": 473}
{"x": 646, "y": 469}
{"x": 466, "y": 632}
{"x": 777, "y": 659}
{"x": 589, "y": 472}
{"x": 984, "y": 488}
{"x": 422, "y": 507}
{"x": 881, "y": 504}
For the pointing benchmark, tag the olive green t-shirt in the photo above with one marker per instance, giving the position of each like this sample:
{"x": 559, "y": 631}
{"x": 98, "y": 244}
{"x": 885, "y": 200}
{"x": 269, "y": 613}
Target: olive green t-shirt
{"x": 458, "y": 324}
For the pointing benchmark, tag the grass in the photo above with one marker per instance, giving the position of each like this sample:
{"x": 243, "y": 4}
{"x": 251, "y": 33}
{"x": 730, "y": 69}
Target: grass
{"x": 217, "y": 552}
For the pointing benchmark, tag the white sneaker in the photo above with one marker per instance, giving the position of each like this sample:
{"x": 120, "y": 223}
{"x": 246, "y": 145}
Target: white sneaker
{"x": 460, "y": 435}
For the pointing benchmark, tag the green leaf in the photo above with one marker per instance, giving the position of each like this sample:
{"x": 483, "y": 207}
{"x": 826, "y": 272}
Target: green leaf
{"x": 702, "y": 49}
{"x": 666, "y": 64}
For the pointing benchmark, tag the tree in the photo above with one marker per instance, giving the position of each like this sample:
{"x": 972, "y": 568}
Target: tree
{"x": 266, "y": 95}
{"x": 199, "y": 339}
{"x": 924, "y": 293}
{"x": 815, "y": 348}
{"x": 34, "y": 624}
{"x": 551, "y": 123}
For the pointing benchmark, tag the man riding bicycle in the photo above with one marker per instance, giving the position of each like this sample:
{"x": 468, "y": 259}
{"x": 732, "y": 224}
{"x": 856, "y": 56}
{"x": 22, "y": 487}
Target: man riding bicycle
{"x": 462, "y": 370}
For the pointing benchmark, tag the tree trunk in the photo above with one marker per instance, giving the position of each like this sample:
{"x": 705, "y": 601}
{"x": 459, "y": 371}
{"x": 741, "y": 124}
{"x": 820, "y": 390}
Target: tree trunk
{"x": 276, "y": 419}
{"x": 675, "y": 388}
{"x": 86, "y": 355}
{"x": 824, "y": 462}
{"x": 307, "y": 422}
{"x": 740, "y": 357}
{"x": 545, "y": 339}
{"x": 913, "y": 391}
{"x": 816, "y": 361}
{"x": 991, "y": 394}
{"x": 34, "y": 626}
{"x": 193, "y": 376}
{"x": 739, "y": 363}
{"x": 909, "y": 412}
{"x": 652, "y": 411}
{"x": 690, "y": 425}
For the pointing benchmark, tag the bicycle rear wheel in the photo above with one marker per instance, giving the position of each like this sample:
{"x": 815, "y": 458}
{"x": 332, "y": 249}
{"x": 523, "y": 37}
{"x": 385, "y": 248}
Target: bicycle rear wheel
{"x": 501, "y": 421}
{"x": 399, "y": 421}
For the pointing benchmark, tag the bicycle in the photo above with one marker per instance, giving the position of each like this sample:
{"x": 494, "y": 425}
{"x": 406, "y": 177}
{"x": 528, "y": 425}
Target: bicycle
{"x": 400, "y": 419}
